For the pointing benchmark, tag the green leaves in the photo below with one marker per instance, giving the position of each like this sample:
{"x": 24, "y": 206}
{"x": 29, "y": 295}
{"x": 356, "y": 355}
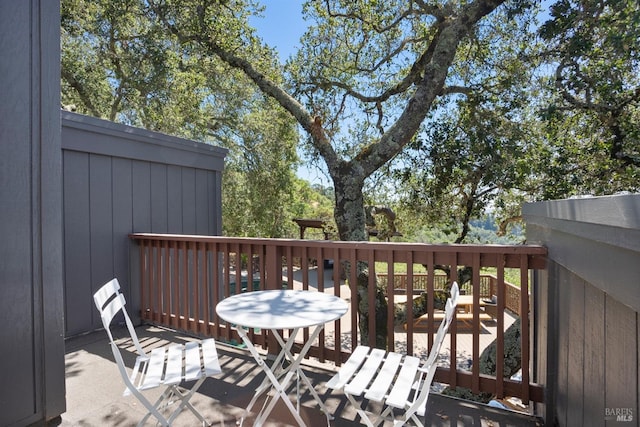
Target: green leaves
{"x": 595, "y": 48}
{"x": 120, "y": 62}
{"x": 467, "y": 112}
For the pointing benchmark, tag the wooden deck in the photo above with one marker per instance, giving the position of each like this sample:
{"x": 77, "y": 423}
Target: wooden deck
{"x": 94, "y": 391}
{"x": 94, "y": 388}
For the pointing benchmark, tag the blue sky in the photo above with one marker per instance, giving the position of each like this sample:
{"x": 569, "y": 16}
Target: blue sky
{"x": 281, "y": 27}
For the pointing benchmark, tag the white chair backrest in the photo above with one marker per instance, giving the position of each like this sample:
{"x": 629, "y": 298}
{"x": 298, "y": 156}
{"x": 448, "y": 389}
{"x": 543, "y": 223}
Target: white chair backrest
{"x": 430, "y": 365}
{"x": 110, "y": 301}
{"x": 449, "y": 309}
{"x": 455, "y": 293}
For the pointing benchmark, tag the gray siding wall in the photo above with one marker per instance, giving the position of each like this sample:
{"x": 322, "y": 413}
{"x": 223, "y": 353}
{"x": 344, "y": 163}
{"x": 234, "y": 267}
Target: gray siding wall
{"x": 118, "y": 180}
{"x": 31, "y": 303}
{"x": 588, "y": 330}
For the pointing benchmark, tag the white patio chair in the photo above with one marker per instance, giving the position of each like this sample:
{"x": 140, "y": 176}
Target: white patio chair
{"x": 162, "y": 367}
{"x": 398, "y": 383}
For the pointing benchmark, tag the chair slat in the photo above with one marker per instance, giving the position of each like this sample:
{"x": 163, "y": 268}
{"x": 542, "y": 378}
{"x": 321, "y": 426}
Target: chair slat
{"x": 173, "y": 374}
{"x": 362, "y": 379}
{"x": 349, "y": 368}
{"x": 105, "y": 292}
{"x": 385, "y": 377}
{"x": 192, "y": 361}
{"x": 155, "y": 367}
{"x": 404, "y": 383}
{"x": 210, "y": 357}
{"x": 114, "y": 306}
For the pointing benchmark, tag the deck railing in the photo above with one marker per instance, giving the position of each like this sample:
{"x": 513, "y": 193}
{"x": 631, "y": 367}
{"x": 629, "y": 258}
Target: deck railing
{"x": 488, "y": 287}
{"x": 183, "y": 277}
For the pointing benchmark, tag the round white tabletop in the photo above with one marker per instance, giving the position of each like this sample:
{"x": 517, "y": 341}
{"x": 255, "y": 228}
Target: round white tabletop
{"x": 281, "y": 309}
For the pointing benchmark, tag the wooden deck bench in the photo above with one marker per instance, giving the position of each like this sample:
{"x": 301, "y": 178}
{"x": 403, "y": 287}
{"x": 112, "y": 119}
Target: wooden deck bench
{"x": 463, "y": 319}
{"x": 491, "y": 310}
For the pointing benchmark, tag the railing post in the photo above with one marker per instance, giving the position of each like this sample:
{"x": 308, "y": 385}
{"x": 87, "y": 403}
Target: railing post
{"x": 136, "y": 281}
{"x": 273, "y": 267}
{"x": 524, "y": 323}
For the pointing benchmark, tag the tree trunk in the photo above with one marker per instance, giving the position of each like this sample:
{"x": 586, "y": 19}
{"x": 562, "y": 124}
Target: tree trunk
{"x": 380, "y": 312}
{"x": 349, "y": 212}
{"x": 350, "y": 220}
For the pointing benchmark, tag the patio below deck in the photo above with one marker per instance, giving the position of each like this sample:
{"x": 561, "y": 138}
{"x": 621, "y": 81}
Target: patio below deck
{"x": 94, "y": 391}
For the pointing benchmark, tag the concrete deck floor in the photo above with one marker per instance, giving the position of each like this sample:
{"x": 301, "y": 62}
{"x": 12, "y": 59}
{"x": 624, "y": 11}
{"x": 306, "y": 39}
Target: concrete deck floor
{"x": 94, "y": 391}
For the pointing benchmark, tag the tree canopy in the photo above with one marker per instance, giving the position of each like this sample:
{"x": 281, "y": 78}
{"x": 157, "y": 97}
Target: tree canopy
{"x": 362, "y": 84}
{"x": 120, "y": 65}
{"x": 458, "y": 107}
{"x": 552, "y": 113}
{"x": 593, "y": 101}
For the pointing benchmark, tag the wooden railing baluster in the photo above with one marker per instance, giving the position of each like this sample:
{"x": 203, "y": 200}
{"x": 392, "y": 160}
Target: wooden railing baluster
{"x": 524, "y": 326}
{"x": 499, "y": 292}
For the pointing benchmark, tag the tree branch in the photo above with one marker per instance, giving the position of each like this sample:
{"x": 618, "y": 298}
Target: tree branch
{"x": 440, "y": 55}
{"x": 311, "y": 124}
{"x": 81, "y": 90}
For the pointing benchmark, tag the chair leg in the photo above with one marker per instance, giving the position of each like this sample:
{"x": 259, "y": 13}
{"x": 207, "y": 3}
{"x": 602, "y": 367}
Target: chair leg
{"x": 153, "y": 409}
{"x": 371, "y": 419}
{"x": 185, "y": 403}
{"x": 417, "y": 420}
{"x": 166, "y": 400}
{"x": 364, "y": 414}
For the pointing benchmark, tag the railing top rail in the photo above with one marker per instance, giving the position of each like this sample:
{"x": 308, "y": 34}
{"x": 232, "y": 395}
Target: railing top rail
{"x": 405, "y": 246}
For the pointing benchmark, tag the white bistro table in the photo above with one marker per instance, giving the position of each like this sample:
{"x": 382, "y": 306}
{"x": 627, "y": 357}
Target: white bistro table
{"x": 278, "y": 310}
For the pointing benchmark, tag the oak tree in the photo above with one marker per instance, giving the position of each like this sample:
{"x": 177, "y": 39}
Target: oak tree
{"x": 362, "y": 83}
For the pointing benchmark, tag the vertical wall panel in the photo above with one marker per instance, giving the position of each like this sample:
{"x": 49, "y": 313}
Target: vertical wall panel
{"x": 215, "y": 202}
{"x": 159, "y": 198}
{"x": 16, "y": 292}
{"x": 16, "y": 179}
{"x": 621, "y": 359}
{"x": 562, "y": 397}
{"x": 542, "y": 306}
{"x": 31, "y": 301}
{"x": 122, "y": 196}
{"x": 120, "y": 180}
{"x": 174, "y": 199}
{"x": 575, "y": 356}
{"x": 202, "y": 201}
{"x": 592, "y": 371}
{"x": 141, "y": 175}
{"x": 189, "y": 217}
{"x": 77, "y": 242}
{"x": 594, "y": 357}
{"x": 101, "y": 224}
